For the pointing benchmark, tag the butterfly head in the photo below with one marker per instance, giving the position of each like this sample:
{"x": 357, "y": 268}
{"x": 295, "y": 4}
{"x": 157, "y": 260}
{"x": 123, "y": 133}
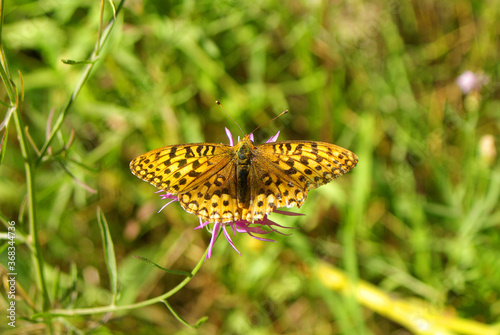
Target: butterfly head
{"x": 245, "y": 144}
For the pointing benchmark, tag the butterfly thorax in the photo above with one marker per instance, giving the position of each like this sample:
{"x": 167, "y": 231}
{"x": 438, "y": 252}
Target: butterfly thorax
{"x": 244, "y": 153}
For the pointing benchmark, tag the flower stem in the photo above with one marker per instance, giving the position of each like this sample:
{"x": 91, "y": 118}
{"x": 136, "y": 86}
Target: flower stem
{"x": 85, "y": 75}
{"x": 114, "y": 308}
{"x": 13, "y": 94}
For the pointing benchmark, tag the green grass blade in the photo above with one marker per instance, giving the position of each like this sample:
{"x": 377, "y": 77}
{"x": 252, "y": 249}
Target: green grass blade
{"x": 109, "y": 253}
{"x": 174, "y": 272}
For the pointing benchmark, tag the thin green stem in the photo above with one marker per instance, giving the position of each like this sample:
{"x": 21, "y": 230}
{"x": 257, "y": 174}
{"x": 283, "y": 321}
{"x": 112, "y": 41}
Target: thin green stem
{"x": 29, "y": 171}
{"x": 4, "y": 69}
{"x": 29, "y": 164}
{"x": 85, "y": 75}
{"x": 32, "y": 217}
{"x": 107, "y": 309}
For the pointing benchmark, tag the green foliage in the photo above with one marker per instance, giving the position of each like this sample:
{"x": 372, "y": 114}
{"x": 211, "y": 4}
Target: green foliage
{"x": 418, "y": 217}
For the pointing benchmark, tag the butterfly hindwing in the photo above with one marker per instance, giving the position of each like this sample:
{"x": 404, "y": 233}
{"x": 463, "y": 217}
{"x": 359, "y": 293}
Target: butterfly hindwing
{"x": 215, "y": 199}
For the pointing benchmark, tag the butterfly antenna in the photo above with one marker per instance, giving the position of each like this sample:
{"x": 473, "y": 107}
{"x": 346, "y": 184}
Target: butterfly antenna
{"x": 262, "y": 125}
{"x": 229, "y": 116}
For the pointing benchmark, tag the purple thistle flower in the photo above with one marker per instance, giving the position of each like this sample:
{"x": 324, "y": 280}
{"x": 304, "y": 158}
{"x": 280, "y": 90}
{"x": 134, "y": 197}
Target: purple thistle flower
{"x": 241, "y": 226}
{"x": 470, "y": 81}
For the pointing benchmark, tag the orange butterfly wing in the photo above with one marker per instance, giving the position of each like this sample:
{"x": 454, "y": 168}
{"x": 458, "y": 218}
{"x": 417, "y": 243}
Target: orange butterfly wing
{"x": 205, "y": 176}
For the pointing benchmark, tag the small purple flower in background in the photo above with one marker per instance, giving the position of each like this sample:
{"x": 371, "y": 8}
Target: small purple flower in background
{"x": 470, "y": 81}
{"x": 241, "y": 226}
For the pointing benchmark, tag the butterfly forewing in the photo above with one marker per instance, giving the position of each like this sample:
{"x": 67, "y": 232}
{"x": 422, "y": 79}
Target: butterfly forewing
{"x": 178, "y": 168}
{"x": 309, "y": 163}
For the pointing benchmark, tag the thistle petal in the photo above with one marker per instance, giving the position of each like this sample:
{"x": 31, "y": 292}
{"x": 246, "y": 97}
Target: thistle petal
{"x": 230, "y": 136}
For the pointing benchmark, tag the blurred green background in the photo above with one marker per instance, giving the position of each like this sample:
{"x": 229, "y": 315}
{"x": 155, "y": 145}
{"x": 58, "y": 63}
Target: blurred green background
{"x": 418, "y": 217}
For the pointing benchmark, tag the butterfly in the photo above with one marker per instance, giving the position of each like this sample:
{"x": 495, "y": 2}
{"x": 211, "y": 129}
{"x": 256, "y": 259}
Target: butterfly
{"x": 223, "y": 183}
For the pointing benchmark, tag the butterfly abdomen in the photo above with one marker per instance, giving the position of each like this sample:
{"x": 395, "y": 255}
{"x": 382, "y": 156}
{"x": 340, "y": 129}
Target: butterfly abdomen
{"x": 244, "y": 160}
